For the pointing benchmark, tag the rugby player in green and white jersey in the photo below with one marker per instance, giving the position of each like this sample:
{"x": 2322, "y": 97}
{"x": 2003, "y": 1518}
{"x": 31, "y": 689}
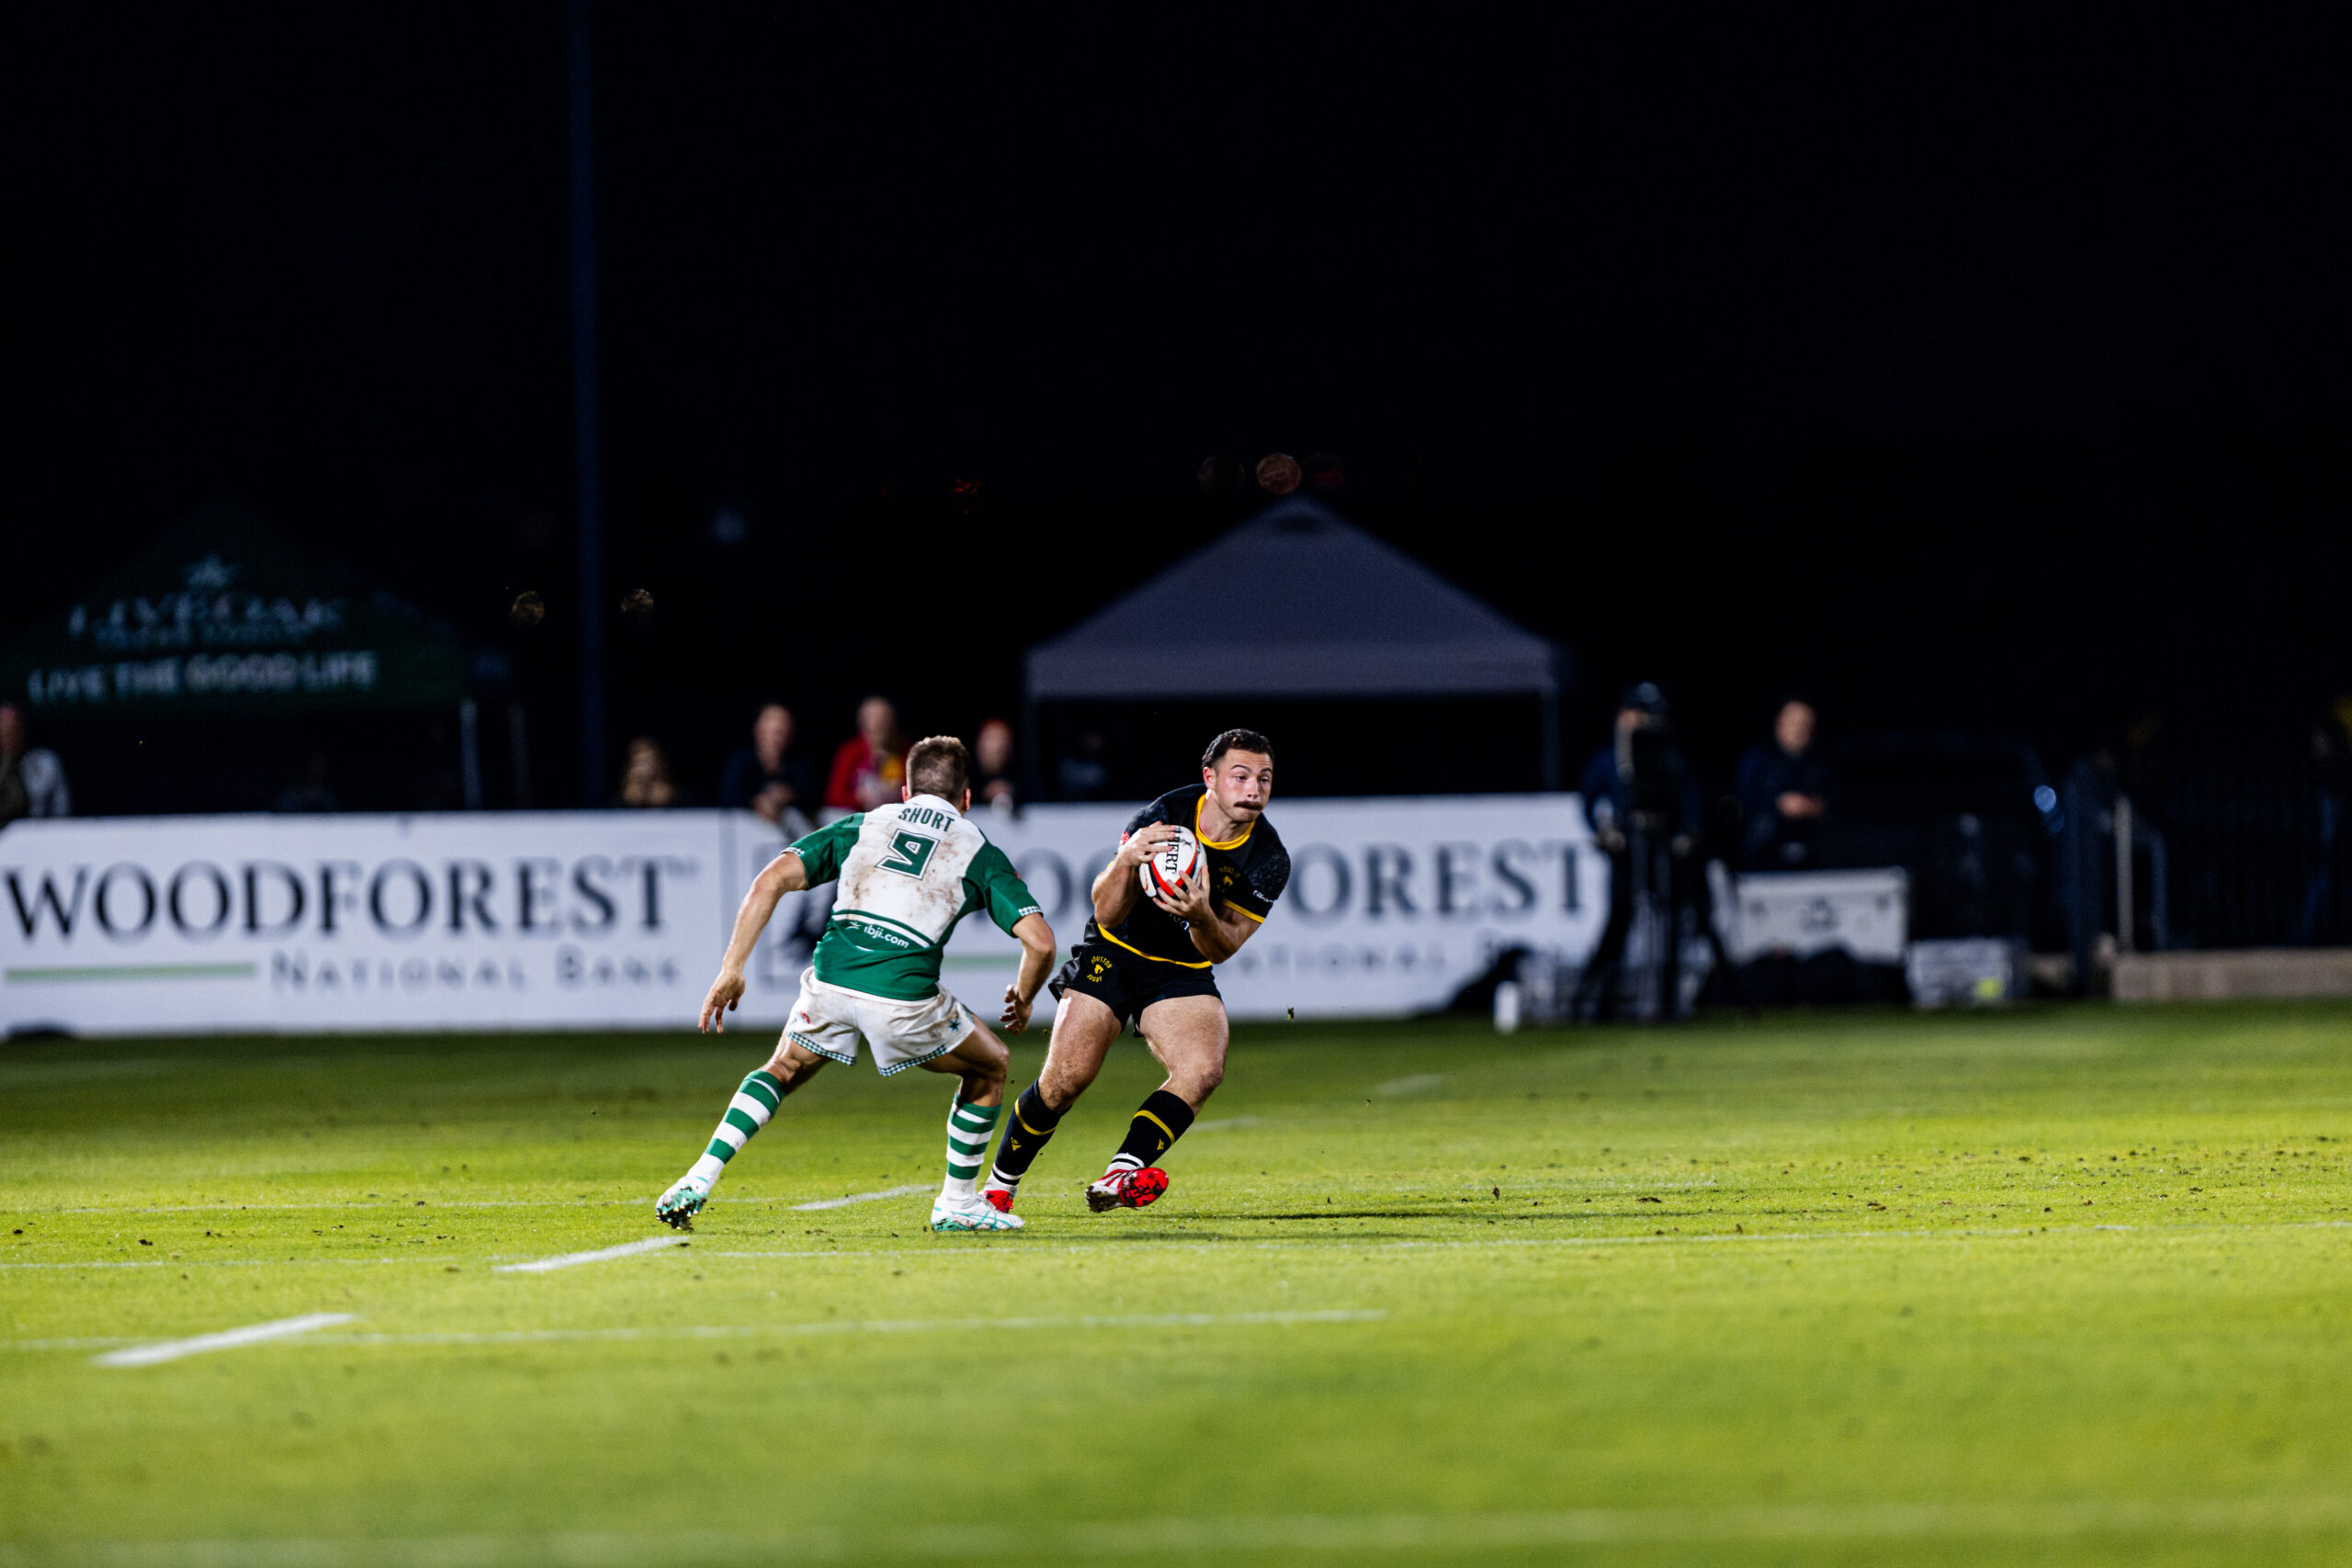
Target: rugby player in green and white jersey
{"x": 908, "y": 874}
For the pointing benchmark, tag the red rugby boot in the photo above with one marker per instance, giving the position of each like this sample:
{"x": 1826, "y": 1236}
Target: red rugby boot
{"x": 999, "y": 1199}
{"x": 1126, "y": 1189}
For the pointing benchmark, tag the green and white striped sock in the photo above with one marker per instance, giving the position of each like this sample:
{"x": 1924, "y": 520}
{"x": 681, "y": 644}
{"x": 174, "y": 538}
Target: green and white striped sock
{"x": 968, "y": 1127}
{"x": 749, "y": 1111}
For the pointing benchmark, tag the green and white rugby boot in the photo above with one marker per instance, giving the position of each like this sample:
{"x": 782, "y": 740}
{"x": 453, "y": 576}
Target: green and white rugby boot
{"x": 678, "y": 1206}
{"x": 974, "y": 1213}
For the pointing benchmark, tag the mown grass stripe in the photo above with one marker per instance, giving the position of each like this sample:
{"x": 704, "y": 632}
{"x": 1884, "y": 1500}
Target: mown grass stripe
{"x": 1392, "y": 1537}
{"x": 1337, "y": 1242}
{"x": 868, "y": 1325}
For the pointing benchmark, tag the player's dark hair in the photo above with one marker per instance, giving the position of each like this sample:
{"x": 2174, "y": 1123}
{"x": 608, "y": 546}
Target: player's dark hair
{"x": 1237, "y": 740}
{"x": 939, "y": 765}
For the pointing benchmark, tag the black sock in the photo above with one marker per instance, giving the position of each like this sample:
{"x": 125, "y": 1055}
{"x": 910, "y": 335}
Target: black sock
{"x": 1157, "y": 1123}
{"x": 1026, "y": 1132}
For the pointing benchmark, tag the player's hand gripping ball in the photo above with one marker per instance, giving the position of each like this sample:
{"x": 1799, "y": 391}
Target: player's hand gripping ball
{"x": 1170, "y": 866}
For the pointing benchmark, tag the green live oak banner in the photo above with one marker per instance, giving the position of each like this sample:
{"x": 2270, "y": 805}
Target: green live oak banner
{"x": 221, "y": 615}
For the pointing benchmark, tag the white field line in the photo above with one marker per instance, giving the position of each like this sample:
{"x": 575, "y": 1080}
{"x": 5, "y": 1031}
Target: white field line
{"x": 227, "y": 1340}
{"x": 864, "y": 1197}
{"x": 1226, "y": 1123}
{"x": 1415, "y": 1084}
{"x": 1392, "y": 1536}
{"x": 601, "y": 1255}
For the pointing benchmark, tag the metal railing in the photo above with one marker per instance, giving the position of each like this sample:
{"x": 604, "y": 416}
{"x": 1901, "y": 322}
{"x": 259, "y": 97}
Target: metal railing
{"x": 2233, "y": 852}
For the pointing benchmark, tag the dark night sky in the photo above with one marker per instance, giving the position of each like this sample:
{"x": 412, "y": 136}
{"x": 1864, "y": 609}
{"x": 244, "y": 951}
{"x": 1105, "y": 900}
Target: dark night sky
{"x": 1966, "y": 380}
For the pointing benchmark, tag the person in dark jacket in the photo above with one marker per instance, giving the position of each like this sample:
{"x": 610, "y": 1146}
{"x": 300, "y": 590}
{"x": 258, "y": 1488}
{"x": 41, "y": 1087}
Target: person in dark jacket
{"x": 1783, "y": 793}
{"x": 759, "y": 777}
{"x": 1645, "y": 811}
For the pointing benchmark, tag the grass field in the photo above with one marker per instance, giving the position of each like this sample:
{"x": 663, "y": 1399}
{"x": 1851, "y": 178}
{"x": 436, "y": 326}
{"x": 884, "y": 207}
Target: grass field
{"x": 2058, "y": 1286}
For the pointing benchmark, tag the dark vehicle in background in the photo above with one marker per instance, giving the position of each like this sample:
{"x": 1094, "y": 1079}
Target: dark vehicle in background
{"x": 1974, "y": 819}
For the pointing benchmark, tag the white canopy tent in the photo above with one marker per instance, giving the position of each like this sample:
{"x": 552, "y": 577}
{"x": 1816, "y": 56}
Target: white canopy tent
{"x": 1329, "y": 611}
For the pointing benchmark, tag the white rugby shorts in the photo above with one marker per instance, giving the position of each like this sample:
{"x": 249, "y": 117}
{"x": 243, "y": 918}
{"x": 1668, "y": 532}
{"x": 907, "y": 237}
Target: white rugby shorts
{"x": 831, "y": 1021}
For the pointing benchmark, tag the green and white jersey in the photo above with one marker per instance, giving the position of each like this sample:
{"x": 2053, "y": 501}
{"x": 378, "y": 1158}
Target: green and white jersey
{"x": 908, "y": 874}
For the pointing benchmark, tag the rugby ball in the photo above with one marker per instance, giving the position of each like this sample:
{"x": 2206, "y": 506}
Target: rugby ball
{"x": 1170, "y": 866}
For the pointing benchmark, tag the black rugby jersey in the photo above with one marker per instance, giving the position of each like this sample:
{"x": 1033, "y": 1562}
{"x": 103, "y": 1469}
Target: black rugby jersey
{"x": 1247, "y": 873}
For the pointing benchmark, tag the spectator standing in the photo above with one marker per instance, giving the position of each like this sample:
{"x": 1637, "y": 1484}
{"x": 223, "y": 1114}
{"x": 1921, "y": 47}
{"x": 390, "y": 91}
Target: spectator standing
{"x": 1783, "y": 793}
{"x": 992, "y": 767}
{"x": 761, "y": 778}
{"x": 1645, "y": 811}
{"x": 871, "y": 764}
{"x": 32, "y": 781}
{"x": 645, "y": 780}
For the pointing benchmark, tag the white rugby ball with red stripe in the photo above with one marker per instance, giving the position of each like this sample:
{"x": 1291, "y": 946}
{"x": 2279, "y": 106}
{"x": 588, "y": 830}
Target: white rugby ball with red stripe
{"x": 1170, "y": 865}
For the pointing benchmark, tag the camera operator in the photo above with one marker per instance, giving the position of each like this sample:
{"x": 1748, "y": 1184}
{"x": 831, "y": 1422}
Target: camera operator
{"x": 1645, "y": 811}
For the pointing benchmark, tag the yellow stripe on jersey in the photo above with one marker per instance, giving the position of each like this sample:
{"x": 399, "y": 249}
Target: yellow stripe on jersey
{"x": 1206, "y": 842}
{"x": 1139, "y": 952}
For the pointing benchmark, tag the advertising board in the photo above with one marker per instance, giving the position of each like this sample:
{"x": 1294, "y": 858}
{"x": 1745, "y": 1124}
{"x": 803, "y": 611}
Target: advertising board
{"x": 616, "y": 919}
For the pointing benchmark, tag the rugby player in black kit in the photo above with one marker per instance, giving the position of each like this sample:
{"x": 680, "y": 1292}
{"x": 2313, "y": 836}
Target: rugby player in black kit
{"x": 1147, "y": 961}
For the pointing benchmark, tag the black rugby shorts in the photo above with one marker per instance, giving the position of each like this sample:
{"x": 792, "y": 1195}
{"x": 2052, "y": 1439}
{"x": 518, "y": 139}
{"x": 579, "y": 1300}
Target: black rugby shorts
{"x": 1127, "y": 982}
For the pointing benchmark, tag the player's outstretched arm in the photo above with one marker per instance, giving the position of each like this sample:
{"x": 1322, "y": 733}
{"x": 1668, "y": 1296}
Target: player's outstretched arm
{"x": 1218, "y": 930}
{"x": 1037, "y": 954}
{"x": 781, "y": 876}
{"x": 1117, "y": 890}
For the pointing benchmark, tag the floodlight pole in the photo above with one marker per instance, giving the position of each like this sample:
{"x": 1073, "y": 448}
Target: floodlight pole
{"x": 583, "y": 410}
